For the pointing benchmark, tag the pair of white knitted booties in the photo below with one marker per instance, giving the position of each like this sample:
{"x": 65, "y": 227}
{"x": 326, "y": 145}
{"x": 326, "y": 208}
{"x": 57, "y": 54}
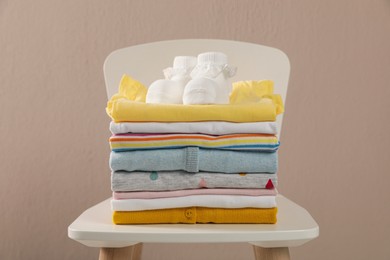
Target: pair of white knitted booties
{"x": 194, "y": 81}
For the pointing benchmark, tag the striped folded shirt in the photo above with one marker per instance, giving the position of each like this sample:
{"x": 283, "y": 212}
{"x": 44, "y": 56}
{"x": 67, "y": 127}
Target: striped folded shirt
{"x": 255, "y": 142}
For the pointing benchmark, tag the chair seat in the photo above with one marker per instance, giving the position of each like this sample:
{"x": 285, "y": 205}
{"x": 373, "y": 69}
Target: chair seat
{"x": 295, "y": 226}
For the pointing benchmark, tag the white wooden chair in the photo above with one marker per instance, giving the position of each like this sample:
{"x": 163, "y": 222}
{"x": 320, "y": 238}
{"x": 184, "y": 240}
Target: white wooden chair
{"x": 145, "y": 62}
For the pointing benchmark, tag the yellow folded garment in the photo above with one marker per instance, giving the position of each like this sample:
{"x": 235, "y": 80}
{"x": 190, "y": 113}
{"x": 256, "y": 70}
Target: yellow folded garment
{"x": 194, "y": 215}
{"x": 251, "y": 91}
{"x": 128, "y": 106}
{"x": 132, "y": 89}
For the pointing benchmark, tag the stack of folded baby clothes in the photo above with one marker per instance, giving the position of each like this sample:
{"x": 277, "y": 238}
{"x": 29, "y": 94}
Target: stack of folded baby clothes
{"x": 175, "y": 163}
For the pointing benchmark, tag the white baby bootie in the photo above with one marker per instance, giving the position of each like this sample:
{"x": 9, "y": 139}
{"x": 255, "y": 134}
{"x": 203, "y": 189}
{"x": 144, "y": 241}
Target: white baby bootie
{"x": 170, "y": 90}
{"x": 210, "y": 80}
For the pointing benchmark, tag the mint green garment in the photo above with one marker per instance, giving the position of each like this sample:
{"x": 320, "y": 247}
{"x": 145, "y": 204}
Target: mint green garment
{"x": 180, "y": 180}
{"x": 194, "y": 159}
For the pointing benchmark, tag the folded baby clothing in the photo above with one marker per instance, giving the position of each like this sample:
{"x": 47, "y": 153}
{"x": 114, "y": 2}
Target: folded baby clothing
{"x": 123, "y": 110}
{"x": 189, "y": 192}
{"x": 250, "y": 91}
{"x": 194, "y": 159}
{"x": 209, "y": 127}
{"x": 192, "y": 215}
{"x": 127, "y": 106}
{"x": 175, "y": 163}
{"x": 208, "y": 201}
{"x": 170, "y": 90}
{"x": 122, "y": 181}
{"x": 210, "y": 80}
{"x": 250, "y": 142}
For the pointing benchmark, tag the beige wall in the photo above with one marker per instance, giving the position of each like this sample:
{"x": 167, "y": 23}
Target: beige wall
{"x": 334, "y": 158}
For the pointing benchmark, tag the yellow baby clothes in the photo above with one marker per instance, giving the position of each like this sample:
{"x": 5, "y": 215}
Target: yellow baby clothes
{"x": 251, "y": 91}
{"x": 132, "y": 89}
{"x": 128, "y": 106}
{"x": 192, "y": 215}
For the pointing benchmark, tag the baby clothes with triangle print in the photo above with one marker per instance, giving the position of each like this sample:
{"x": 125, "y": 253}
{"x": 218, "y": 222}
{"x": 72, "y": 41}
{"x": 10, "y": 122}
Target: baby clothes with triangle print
{"x": 179, "y": 180}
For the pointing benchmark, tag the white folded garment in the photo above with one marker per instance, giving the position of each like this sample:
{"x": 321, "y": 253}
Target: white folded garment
{"x": 209, "y": 127}
{"x": 189, "y": 192}
{"x": 210, "y": 201}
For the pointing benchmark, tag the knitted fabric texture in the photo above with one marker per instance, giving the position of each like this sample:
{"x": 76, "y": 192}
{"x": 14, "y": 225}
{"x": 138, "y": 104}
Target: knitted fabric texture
{"x": 179, "y": 180}
{"x": 193, "y": 159}
{"x": 194, "y": 215}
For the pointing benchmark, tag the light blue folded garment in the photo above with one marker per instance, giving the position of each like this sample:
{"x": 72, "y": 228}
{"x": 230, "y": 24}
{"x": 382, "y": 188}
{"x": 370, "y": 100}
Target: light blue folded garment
{"x": 194, "y": 159}
{"x": 180, "y": 180}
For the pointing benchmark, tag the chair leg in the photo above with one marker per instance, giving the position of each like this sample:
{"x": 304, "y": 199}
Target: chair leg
{"x": 123, "y": 253}
{"x": 277, "y": 253}
{"x": 137, "y": 251}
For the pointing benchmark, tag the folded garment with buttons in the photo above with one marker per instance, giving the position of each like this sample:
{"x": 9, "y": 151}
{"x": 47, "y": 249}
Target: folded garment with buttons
{"x": 192, "y": 215}
{"x": 209, "y": 201}
{"x": 194, "y": 159}
{"x": 188, "y": 192}
{"x": 180, "y": 180}
{"x": 209, "y": 127}
{"x": 251, "y": 142}
{"x": 128, "y": 105}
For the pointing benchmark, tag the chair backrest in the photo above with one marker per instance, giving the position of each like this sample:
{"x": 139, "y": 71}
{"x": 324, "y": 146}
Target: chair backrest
{"x": 145, "y": 62}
